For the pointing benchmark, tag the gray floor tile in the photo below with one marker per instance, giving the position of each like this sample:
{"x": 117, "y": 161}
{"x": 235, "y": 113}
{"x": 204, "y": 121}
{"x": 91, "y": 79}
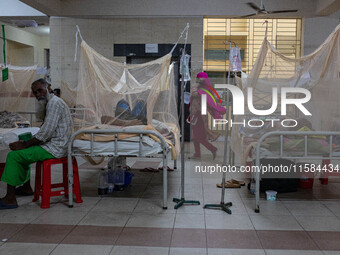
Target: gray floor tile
{"x": 27, "y": 248}
{"x": 75, "y": 249}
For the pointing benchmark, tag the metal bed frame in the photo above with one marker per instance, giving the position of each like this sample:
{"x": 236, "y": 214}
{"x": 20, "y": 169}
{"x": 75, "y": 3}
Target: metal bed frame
{"x": 115, "y": 132}
{"x": 315, "y": 156}
{"x": 31, "y": 113}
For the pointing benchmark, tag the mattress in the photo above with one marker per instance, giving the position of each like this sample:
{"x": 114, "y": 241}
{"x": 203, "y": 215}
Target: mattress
{"x": 10, "y": 135}
{"x": 126, "y": 147}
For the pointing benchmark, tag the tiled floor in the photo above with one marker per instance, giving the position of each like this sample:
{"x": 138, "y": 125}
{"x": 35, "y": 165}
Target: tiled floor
{"x": 133, "y": 221}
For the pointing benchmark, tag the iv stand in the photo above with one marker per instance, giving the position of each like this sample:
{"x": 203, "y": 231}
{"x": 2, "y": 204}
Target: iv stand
{"x": 222, "y": 205}
{"x": 181, "y": 201}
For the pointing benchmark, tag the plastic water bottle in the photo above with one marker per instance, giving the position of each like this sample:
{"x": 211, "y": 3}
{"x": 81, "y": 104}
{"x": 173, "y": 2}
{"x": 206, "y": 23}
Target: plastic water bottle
{"x": 110, "y": 179}
{"x": 111, "y": 188}
{"x": 252, "y": 186}
{"x": 119, "y": 174}
{"x": 102, "y": 182}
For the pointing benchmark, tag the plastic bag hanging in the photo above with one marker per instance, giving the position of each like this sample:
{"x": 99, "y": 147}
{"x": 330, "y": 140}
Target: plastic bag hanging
{"x": 184, "y": 67}
{"x": 235, "y": 59}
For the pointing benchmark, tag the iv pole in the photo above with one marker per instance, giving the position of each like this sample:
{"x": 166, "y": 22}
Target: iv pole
{"x": 222, "y": 205}
{"x": 181, "y": 201}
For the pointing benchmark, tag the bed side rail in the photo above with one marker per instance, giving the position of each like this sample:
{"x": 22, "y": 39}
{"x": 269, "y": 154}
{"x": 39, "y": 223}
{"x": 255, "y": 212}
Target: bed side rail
{"x": 115, "y": 132}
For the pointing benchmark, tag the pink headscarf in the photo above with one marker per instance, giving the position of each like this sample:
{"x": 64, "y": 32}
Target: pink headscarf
{"x": 205, "y": 76}
{"x": 215, "y": 110}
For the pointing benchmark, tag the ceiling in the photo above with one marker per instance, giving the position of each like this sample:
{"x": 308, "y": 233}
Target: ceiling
{"x": 41, "y": 10}
{"x": 175, "y": 8}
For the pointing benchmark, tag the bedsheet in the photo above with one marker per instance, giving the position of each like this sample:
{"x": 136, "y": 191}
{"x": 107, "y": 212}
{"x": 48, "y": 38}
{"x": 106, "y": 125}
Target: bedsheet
{"x": 10, "y": 135}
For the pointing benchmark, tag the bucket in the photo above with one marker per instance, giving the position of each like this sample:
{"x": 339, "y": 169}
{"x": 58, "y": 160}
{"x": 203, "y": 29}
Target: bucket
{"x": 306, "y": 180}
{"x": 128, "y": 178}
{"x": 271, "y": 195}
{"x": 306, "y": 183}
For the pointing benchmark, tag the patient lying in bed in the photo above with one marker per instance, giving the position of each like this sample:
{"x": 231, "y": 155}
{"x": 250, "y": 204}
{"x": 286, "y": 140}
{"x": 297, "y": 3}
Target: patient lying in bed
{"x": 125, "y": 117}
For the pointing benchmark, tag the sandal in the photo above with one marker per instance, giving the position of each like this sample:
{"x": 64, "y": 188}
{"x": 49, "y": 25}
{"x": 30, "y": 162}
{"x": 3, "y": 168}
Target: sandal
{"x": 7, "y": 206}
{"x": 169, "y": 169}
{"x": 228, "y": 185}
{"x": 242, "y": 183}
{"x": 149, "y": 169}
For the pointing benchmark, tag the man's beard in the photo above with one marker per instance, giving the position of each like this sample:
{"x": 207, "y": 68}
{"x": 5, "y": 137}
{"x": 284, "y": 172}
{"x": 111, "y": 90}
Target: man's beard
{"x": 41, "y": 109}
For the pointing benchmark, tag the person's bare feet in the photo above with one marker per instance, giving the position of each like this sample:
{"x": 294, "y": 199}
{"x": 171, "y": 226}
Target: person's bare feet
{"x": 9, "y": 201}
{"x": 214, "y": 154}
{"x": 27, "y": 188}
{"x": 24, "y": 190}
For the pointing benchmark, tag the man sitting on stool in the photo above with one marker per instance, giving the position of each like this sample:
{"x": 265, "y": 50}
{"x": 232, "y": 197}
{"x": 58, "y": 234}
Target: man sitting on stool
{"x": 50, "y": 142}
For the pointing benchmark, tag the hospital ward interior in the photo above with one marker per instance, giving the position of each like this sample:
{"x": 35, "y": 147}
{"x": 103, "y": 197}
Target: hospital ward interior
{"x": 170, "y": 127}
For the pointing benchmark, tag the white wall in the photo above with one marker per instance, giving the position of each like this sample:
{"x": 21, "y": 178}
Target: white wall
{"x": 316, "y": 30}
{"x": 102, "y": 34}
{"x": 39, "y": 43}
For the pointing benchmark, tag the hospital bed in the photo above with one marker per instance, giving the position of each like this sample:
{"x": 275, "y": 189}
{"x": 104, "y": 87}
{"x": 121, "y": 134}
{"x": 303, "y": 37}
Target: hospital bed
{"x": 139, "y": 146}
{"x": 9, "y": 135}
{"x": 260, "y": 152}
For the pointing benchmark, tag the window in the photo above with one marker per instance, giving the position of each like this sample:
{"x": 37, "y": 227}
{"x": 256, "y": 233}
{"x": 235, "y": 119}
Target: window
{"x": 248, "y": 34}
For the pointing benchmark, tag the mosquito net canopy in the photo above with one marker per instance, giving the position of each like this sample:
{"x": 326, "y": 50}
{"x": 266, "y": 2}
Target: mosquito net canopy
{"x": 15, "y": 93}
{"x": 317, "y": 72}
{"x": 114, "y": 93}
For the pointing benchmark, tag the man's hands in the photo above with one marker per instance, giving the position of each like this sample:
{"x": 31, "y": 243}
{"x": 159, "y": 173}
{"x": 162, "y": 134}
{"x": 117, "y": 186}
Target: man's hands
{"x": 19, "y": 145}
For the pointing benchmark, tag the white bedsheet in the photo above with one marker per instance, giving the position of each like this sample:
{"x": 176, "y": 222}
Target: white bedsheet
{"x": 129, "y": 146}
{"x": 10, "y": 135}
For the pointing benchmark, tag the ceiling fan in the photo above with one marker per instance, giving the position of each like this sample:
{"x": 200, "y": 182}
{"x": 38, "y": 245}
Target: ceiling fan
{"x": 262, "y": 10}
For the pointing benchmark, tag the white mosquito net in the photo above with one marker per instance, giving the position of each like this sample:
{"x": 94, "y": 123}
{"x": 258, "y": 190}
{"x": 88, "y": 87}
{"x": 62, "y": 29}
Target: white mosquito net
{"x": 15, "y": 93}
{"x": 110, "y": 92}
{"x": 318, "y": 72}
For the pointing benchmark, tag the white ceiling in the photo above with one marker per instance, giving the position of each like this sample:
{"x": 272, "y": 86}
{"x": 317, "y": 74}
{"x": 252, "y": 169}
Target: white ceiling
{"x": 16, "y": 8}
{"x": 40, "y": 10}
{"x": 176, "y": 8}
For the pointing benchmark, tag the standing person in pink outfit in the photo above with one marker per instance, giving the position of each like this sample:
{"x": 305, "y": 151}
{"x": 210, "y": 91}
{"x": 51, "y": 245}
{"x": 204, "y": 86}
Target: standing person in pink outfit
{"x": 199, "y": 122}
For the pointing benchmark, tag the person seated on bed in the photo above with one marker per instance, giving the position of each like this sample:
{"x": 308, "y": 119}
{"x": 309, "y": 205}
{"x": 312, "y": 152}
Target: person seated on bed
{"x": 50, "y": 142}
{"x": 125, "y": 117}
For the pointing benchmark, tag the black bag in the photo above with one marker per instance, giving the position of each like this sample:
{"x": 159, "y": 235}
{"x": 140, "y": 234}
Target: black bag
{"x": 280, "y": 182}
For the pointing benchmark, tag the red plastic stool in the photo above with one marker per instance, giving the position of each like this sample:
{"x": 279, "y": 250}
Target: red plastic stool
{"x": 43, "y": 187}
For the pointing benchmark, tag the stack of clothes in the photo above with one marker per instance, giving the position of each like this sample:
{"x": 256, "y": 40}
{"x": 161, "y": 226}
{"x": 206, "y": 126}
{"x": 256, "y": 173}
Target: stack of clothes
{"x": 9, "y": 119}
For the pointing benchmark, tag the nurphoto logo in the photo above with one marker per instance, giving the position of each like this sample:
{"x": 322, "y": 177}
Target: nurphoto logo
{"x": 239, "y": 99}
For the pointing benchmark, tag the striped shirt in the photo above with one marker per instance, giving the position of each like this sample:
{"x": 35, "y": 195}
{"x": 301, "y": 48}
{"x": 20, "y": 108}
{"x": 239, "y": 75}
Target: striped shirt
{"x": 56, "y": 131}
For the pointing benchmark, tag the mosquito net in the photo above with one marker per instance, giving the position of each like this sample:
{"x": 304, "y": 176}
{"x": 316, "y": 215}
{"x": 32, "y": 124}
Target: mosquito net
{"x": 119, "y": 94}
{"x": 15, "y": 93}
{"x": 317, "y": 72}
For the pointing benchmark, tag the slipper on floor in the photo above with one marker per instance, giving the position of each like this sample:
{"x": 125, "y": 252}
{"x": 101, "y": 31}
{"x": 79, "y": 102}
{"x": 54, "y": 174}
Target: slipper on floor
{"x": 169, "y": 169}
{"x": 20, "y": 192}
{"x": 242, "y": 183}
{"x": 229, "y": 185}
{"x": 149, "y": 169}
{"x": 6, "y": 206}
